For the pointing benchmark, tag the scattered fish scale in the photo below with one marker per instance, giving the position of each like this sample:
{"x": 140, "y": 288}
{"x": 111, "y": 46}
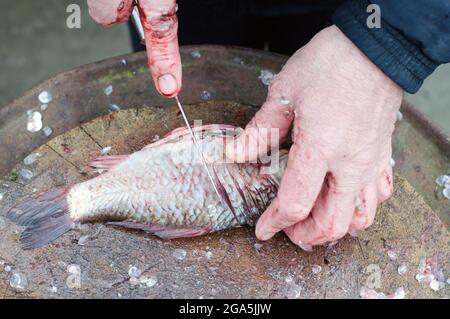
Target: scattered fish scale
{"x": 205, "y": 95}
{"x": 26, "y": 173}
{"x": 196, "y": 54}
{"x": 368, "y": 293}
{"x": 83, "y": 240}
{"x": 442, "y": 180}
{"x": 402, "y": 269}
{"x": 316, "y": 269}
{"x": 34, "y": 121}
{"x": 108, "y": 90}
{"x": 148, "y": 281}
{"x": 114, "y": 108}
{"x": 392, "y": 162}
{"x": 209, "y": 254}
{"x": 106, "y": 150}
{"x": 392, "y": 255}
{"x": 428, "y": 273}
{"x": 446, "y": 192}
{"x": 18, "y": 281}
{"x": 134, "y": 271}
{"x": 45, "y": 97}
{"x": 30, "y": 159}
{"x": 436, "y": 285}
{"x": 179, "y": 254}
{"x": 47, "y": 131}
{"x": 266, "y": 76}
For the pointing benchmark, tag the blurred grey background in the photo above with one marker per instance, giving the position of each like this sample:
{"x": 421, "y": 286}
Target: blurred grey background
{"x": 36, "y": 44}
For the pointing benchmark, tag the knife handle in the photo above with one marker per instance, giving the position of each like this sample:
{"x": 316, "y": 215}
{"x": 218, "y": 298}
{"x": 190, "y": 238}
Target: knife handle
{"x": 136, "y": 20}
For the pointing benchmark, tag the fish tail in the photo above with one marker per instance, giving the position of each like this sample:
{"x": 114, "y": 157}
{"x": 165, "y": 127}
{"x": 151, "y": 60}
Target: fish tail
{"x": 45, "y": 216}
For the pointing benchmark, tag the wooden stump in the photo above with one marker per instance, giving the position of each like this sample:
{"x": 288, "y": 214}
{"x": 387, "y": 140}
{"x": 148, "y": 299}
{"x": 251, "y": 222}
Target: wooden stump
{"x": 225, "y": 264}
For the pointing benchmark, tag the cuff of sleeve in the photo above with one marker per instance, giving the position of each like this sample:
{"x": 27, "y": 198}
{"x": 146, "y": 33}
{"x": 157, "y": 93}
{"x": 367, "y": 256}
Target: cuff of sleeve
{"x": 386, "y": 47}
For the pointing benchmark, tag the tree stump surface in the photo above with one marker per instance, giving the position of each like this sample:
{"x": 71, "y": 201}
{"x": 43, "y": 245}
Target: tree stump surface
{"x": 226, "y": 264}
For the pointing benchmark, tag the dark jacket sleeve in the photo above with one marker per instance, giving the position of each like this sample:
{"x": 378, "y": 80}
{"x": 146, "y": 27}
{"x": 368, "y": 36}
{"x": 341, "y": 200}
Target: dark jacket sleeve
{"x": 413, "y": 40}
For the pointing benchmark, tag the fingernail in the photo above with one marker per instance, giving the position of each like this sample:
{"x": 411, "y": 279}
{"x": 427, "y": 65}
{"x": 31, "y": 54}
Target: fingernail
{"x": 392, "y": 162}
{"x": 262, "y": 234}
{"x": 167, "y": 84}
{"x": 353, "y": 232}
{"x": 304, "y": 246}
{"x": 331, "y": 244}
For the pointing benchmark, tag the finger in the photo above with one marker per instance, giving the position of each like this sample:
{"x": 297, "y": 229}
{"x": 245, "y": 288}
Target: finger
{"x": 365, "y": 209}
{"x": 299, "y": 188}
{"x": 265, "y": 130}
{"x": 385, "y": 184}
{"x": 161, "y": 26}
{"x": 107, "y": 12}
{"x": 331, "y": 216}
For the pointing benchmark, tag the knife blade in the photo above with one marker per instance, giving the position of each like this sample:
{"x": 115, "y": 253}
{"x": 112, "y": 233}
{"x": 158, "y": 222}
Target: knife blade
{"x": 199, "y": 150}
{"x": 136, "y": 19}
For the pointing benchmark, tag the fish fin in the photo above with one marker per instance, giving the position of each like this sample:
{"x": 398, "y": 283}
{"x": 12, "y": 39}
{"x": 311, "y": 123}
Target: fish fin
{"x": 173, "y": 233}
{"x": 149, "y": 228}
{"x": 182, "y": 131}
{"x": 223, "y": 194}
{"x": 162, "y": 231}
{"x": 45, "y": 216}
{"x": 108, "y": 162}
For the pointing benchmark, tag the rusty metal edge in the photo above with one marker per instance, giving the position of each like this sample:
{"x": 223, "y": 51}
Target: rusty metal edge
{"x": 425, "y": 125}
{"x": 141, "y": 57}
{"x": 430, "y": 129}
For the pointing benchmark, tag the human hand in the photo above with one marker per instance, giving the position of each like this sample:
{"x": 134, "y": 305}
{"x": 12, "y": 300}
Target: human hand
{"x": 343, "y": 110}
{"x": 160, "y": 27}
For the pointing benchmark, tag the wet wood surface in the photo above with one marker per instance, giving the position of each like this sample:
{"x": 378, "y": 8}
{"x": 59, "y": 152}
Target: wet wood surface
{"x": 225, "y": 264}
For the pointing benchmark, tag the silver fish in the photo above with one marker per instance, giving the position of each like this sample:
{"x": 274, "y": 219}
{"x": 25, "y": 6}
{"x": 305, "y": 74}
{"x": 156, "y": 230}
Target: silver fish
{"x": 162, "y": 189}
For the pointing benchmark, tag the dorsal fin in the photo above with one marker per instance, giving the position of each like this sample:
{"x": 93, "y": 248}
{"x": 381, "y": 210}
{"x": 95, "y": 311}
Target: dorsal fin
{"x": 210, "y": 129}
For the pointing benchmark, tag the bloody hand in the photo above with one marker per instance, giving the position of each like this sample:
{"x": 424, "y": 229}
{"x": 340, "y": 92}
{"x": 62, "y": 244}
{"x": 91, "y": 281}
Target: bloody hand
{"x": 343, "y": 109}
{"x": 160, "y": 26}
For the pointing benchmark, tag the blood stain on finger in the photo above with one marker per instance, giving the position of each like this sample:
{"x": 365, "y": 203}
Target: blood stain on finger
{"x": 359, "y": 212}
{"x": 367, "y": 222}
{"x": 388, "y": 180}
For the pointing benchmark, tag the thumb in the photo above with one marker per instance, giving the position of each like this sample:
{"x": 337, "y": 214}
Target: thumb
{"x": 265, "y": 130}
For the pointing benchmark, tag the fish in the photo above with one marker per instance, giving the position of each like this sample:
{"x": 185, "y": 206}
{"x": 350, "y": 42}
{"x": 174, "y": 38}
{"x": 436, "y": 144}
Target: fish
{"x": 163, "y": 189}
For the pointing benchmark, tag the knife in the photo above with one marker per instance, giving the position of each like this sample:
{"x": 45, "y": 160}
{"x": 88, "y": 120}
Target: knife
{"x": 136, "y": 20}
{"x": 199, "y": 150}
